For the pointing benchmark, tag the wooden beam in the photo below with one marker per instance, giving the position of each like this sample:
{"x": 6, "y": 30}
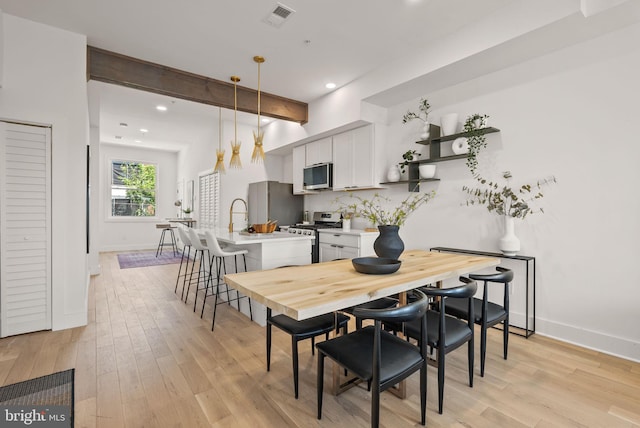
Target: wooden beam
{"x": 111, "y": 67}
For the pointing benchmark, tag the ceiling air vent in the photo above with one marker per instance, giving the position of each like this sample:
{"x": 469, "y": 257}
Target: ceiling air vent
{"x": 278, "y": 15}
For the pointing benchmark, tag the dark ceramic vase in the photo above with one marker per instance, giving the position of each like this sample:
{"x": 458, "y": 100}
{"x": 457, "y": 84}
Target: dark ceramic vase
{"x": 388, "y": 244}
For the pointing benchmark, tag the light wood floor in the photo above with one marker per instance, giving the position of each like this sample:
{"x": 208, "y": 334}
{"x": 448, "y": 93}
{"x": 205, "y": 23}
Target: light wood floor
{"x": 146, "y": 359}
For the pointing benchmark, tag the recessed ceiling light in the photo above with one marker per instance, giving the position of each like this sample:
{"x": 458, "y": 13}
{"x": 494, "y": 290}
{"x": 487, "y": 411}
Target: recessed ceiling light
{"x": 161, "y": 108}
{"x": 138, "y": 141}
{"x": 330, "y": 85}
{"x": 144, "y": 130}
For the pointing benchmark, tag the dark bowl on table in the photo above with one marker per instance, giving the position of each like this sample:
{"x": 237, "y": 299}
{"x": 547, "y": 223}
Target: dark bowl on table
{"x": 375, "y": 265}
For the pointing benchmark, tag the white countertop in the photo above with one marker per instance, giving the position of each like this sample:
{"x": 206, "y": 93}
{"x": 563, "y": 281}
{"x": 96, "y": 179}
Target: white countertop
{"x": 236, "y": 238}
{"x": 357, "y": 232}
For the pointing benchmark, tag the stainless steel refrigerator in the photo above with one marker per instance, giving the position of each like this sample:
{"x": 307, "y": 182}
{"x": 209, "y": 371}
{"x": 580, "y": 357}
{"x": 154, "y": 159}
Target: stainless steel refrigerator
{"x": 272, "y": 200}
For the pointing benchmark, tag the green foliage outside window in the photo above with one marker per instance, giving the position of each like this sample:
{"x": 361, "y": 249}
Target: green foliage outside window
{"x": 133, "y": 189}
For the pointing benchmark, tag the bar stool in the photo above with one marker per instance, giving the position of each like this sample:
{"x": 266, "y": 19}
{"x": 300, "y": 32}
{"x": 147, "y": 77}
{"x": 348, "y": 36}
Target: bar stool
{"x": 199, "y": 248}
{"x": 186, "y": 245}
{"x": 166, "y": 227}
{"x": 218, "y": 256}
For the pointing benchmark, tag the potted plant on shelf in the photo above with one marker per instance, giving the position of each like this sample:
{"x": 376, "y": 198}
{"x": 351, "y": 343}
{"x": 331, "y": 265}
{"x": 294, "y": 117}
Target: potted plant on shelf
{"x": 475, "y": 138}
{"x": 422, "y": 115}
{"x": 507, "y": 201}
{"x": 187, "y": 212}
{"x": 377, "y": 210}
{"x": 408, "y": 157}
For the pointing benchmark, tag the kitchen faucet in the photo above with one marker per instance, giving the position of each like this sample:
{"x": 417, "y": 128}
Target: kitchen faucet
{"x": 231, "y": 213}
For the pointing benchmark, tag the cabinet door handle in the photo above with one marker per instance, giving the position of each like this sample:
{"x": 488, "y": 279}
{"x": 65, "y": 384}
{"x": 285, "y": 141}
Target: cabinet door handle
{"x": 336, "y": 234}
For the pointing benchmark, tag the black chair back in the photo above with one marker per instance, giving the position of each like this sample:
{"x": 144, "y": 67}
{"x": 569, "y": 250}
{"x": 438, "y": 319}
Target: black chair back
{"x": 411, "y": 311}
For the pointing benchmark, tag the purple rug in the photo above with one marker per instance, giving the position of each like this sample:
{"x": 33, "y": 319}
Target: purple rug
{"x": 135, "y": 260}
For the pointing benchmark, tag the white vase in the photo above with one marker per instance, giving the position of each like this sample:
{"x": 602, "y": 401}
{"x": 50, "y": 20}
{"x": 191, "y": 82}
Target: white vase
{"x": 449, "y": 124}
{"x": 509, "y": 244}
{"x": 393, "y": 174}
{"x": 425, "y": 131}
{"x": 346, "y": 224}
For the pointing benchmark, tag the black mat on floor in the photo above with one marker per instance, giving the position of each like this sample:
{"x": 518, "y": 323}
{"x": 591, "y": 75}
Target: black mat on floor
{"x": 49, "y": 397}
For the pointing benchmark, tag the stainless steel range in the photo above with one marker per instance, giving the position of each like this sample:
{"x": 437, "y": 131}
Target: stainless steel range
{"x": 321, "y": 220}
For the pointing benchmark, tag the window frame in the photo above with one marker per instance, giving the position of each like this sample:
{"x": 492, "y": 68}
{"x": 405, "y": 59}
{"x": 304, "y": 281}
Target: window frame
{"x": 109, "y": 189}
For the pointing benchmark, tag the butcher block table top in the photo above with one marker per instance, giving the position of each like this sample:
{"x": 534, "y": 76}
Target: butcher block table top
{"x": 303, "y": 292}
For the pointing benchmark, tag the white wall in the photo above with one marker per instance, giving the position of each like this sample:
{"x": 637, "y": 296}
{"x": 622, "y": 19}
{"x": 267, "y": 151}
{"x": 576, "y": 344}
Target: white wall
{"x": 576, "y": 123}
{"x": 45, "y": 82}
{"x": 118, "y": 234}
{"x": 201, "y": 156}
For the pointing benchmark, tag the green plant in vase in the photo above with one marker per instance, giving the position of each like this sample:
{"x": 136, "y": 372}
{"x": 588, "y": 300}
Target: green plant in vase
{"x": 475, "y": 138}
{"x": 422, "y": 115}
{"x": 408, "y": 157}
{"x": 379, "y": 210}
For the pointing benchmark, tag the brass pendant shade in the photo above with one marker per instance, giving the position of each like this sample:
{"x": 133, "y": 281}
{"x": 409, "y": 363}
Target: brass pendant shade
{"x": 220, "y": 151}
{"x": 235, "y": 144}
{"x": 258, "y": 151}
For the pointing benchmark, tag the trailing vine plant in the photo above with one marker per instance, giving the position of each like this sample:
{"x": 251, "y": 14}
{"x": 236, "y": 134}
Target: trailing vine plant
{"x": 476, "y": 139}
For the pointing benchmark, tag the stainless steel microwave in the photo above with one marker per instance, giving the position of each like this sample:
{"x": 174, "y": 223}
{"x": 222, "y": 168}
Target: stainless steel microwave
{"x": 319, "y": 176}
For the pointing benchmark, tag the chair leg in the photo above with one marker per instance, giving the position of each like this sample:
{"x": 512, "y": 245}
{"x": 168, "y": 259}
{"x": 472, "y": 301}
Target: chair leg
{"x": 320, "y": 382}
{"x": 268, "y": 340}
{"x": 483, "y": 347}
{"x": 375, "y": 404}
{"x": 180, "y": 270}
{"x": 173, "y": 243}
{"x": 215, "y": 307}
{"x": 505, "y": 337}
{"x": 423, "y": 393}
{"x": 470, "y": 353}
{"x": 440, "y": 378}
{"x": 184, "y": 276}
{"x": 161, "y": 243}
{"x": 202, "y": 268}
{"x": 294, "y": 354}
{"x": 313, "y": 344}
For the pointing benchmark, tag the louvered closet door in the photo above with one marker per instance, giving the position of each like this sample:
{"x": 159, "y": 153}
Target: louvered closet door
{"x": 25, "y": 223}
{"x": 209, "y": 197}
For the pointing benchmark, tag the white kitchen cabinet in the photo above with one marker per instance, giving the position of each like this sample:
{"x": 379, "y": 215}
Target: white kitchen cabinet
{"x": 354, "y": 159}
{"x": 320, "y": 151}
{"x": 338, "y": 244}
{"x": 298, "y": 162}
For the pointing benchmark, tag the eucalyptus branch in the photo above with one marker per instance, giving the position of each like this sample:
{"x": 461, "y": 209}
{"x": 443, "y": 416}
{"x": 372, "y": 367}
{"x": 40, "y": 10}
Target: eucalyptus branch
{"x": 423, "y": 108}
{"x": 506, "y": 200}
{"x": 373, "y": 210}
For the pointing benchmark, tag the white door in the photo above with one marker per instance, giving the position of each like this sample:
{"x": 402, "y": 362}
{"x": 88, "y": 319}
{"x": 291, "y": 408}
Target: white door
{"x": 25, "y": 225}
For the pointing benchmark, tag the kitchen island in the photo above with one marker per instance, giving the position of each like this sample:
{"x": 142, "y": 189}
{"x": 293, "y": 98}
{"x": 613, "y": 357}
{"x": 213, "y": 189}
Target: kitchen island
{"x": 265, "y": 251}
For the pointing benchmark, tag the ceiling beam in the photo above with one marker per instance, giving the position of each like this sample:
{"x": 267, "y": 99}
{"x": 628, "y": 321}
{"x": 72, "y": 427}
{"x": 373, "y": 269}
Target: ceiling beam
{"x": 111, "y": 67}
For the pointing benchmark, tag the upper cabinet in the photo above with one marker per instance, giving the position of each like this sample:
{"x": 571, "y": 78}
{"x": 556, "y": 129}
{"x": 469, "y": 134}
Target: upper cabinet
{"x": 298, "y": 162}
{"x": 354, "y": 159}
{"x": 320, "y": 151}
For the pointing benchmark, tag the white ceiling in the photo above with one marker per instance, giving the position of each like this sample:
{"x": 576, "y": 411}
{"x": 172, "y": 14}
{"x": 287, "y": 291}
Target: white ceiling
{"x": 322, "y": 41}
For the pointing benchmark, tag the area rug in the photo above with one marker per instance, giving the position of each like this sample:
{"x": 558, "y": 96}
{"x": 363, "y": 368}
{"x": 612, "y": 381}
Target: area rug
{"x": 45, "y": 401}
{"x": 135, "y": 260}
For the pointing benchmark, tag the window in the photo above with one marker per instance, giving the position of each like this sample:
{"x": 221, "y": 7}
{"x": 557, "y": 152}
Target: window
{"x": 133, "y": 189}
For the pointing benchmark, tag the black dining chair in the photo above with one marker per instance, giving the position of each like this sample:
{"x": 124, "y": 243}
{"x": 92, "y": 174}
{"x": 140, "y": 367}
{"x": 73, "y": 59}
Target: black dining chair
{"x": 486, "y": 313}
{"x": 444, "y": 332}
{"x": 301, "y": 330}
{"x": 379, "y": 357}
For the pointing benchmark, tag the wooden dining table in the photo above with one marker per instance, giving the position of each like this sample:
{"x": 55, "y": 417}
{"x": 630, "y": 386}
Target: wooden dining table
{"x": 306, "y": 291}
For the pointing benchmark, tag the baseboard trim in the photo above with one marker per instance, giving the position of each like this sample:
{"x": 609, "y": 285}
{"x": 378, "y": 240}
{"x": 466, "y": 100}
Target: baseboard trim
{"x": 596, "y": 341}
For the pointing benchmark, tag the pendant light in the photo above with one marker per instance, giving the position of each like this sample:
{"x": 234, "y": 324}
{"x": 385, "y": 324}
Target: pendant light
{"x": 220, "y": 151}
{"x": 258, "y": 150}
{"x": 235, "y": 144}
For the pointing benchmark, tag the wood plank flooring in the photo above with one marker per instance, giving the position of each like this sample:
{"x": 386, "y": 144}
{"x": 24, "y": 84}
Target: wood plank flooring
{"x": 146, "y": 360}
